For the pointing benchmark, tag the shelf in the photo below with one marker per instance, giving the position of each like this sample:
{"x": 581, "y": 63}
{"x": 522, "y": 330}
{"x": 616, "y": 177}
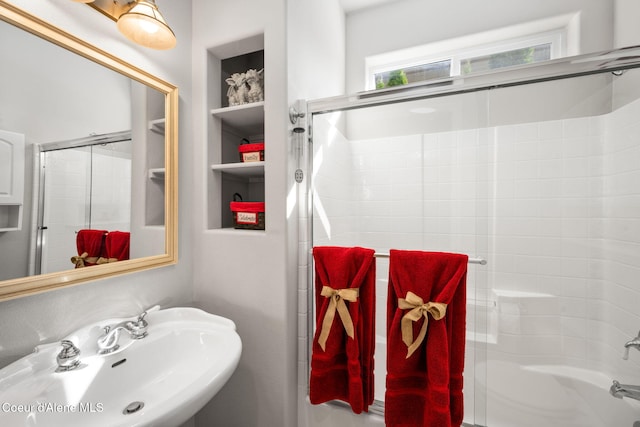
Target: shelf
{"x": 156, "y": 173}
{"x": 10, "y": 218}
{"x": 245, "y": 170}
{"x": 157, "y": 126}
{"x": 245, "y": 116}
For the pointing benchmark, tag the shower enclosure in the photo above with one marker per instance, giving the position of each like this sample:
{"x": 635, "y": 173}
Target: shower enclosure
{"x": 83, "y": 183}
{"x": 537, "y": 171}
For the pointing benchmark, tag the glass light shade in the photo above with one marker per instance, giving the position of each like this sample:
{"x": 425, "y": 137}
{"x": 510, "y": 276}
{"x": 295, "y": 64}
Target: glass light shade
{"x": 144, "y": 24}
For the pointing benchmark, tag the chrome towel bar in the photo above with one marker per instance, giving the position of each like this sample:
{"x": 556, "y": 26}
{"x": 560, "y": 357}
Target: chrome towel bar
{"x": 480, "y": 261}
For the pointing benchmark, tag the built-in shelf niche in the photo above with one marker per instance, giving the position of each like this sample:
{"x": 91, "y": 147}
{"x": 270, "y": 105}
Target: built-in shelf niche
{"x": 10, "y": 218}
{"x": 228, "y": 126}
{"x": 155, "y": 194}
{"x": 247, "y": 55}
{"x": 248, "y": 117}
{"x": 156, "y": 173}
{"x": 243, "y": 170}
{"x": 157, "y": 126}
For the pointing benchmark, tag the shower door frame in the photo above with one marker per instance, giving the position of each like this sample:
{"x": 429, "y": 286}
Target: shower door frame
{"x": 612, "y": 61}
{"x": 39, "y": 228}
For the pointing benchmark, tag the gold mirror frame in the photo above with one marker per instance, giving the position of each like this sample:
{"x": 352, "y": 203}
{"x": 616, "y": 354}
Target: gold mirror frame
{"x": 30, "y": 285}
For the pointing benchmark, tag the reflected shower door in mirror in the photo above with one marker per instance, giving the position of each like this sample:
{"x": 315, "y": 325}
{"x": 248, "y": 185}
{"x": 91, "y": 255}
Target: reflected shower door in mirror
{"x": 100, "y": 153}
{"x": 83, "y": 185}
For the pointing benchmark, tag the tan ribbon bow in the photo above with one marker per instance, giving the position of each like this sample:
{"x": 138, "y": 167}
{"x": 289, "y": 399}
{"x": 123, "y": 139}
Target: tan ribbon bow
{"x": 79, "y": 260}
{"x": 103, "y": 260}
{"x": 337, "y": 303}
{"x": 418, "y": 309}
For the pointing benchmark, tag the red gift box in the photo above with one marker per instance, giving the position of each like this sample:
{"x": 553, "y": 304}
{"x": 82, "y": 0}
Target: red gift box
{"x": 253, "y": 152}
{"x": 248, "y": 215}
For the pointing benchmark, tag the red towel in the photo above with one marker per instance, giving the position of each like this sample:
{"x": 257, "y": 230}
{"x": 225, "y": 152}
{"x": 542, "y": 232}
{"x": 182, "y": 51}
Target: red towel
{"x": 343, "y": 370}
{"x": 90, "y": 245}
{"x": 117, "y": 245}
{"x": 425, "y": 388}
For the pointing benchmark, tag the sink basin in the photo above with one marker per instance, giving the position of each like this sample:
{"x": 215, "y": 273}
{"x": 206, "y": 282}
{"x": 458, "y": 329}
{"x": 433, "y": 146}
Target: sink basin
{"x": 160, "y": 380}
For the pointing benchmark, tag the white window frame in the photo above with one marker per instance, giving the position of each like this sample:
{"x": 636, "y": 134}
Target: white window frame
{"x": 561, "y": 32}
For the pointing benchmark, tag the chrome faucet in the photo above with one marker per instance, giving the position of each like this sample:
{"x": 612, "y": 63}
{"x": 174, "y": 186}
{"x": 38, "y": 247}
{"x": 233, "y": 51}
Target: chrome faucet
{"x": 624, "y": 390}
{"x": 69, "y": 357}
{"x": 108, "y": 343}
{"x": 635, "y": 343}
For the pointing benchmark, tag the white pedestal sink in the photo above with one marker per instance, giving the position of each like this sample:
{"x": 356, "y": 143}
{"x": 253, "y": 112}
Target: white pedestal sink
{"x": 160, "y": 380}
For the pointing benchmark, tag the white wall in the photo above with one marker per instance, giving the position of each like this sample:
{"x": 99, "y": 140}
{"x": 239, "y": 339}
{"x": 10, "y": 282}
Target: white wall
{"x": 411, "y": 23}
{"x": 49, "y": 316}
{"x": 627, "y": 33}
{"x": 66, "y": 96}
{"x": 245, "y": 276}
{"x": 252, "y": 278}
{"x": 316, "y": 63}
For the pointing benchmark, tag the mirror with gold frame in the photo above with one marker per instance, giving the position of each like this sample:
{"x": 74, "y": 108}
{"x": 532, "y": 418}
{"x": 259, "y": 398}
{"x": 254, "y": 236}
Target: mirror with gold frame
{"x": 151, "y": 116}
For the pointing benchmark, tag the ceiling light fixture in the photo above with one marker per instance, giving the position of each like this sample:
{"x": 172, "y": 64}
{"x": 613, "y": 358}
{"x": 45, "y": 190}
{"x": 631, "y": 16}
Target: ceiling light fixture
{"x": 144, "y": 24}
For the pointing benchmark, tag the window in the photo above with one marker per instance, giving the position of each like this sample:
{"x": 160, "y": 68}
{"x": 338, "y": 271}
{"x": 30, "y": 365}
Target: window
{"x": 509, "y": 58}
{"x": 505, "y": 47}
{"x": 416, "y": 73}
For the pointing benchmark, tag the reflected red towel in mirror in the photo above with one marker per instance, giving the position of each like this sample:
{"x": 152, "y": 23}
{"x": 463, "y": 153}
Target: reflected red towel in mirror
{"x": 90, "y": 242}
{"x": 425, "y": 389}
{"x": 117, "y": 245}
{"x": 343, "y": 370}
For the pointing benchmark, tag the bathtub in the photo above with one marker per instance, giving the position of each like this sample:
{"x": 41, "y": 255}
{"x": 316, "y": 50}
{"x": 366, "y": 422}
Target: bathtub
{"x": 533, "y": 395}
{"x": 552, "y": 396}
{"x": 380, "y": 365}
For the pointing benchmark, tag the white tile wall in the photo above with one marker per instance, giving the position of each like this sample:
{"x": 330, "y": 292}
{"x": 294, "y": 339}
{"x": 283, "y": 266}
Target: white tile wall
{"x": 66, "y": 197}
{"x": 68, "y": 193}
{"x": 619, "y": 319}
{"x": 111, "y": 193}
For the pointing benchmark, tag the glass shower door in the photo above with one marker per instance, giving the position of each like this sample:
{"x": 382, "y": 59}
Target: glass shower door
{"x": 81, "y": 187}
{"x": 65, "y": 205}
{"x": 565, "y": 251}
{"x": 542, "y": 180}
{"x": 412, "y": 176}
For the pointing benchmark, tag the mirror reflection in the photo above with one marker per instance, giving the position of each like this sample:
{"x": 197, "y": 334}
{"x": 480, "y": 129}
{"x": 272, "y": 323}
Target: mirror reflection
{"x": 93, "y": 218}
{"x": 91, "y": 161}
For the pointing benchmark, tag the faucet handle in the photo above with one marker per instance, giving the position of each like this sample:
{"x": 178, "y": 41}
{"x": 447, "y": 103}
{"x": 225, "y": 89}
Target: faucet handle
{"x": 152, "y": 309}
{"x": 141, "y": 317}
{"x": 69, "y": 357}
{"x": 69, "y": 348}
{"x": 138, "y": 328}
